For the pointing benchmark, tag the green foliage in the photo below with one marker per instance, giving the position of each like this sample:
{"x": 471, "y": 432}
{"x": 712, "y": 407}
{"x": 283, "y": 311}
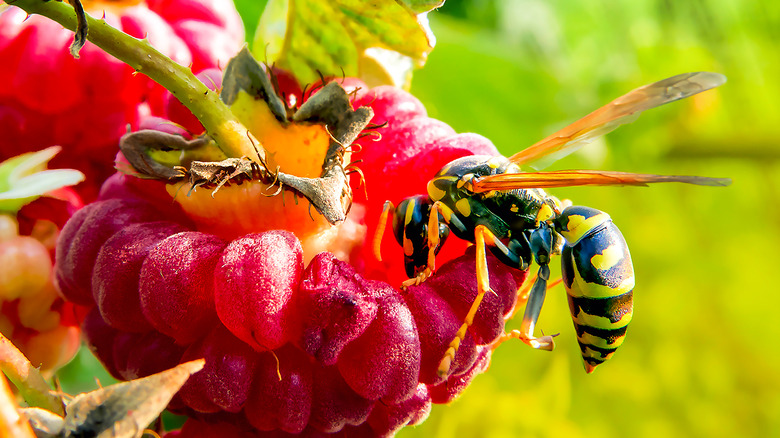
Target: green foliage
{"x": 312, "y": 37}
{"x": 24, "y": 178}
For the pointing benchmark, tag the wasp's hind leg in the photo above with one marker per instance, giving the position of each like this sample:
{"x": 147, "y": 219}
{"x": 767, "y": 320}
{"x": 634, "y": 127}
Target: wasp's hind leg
{"x": 542, "y": 245}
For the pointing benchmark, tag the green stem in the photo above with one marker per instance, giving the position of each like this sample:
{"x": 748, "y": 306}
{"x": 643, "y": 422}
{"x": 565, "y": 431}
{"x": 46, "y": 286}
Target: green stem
{"x": 27, "y": 378}
{"x": 216, "y": 117}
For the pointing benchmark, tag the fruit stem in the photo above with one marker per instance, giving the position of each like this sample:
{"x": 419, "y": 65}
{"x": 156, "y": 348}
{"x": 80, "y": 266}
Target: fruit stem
{"x": 27, "y": 378}
{"x": 220, "y": 123}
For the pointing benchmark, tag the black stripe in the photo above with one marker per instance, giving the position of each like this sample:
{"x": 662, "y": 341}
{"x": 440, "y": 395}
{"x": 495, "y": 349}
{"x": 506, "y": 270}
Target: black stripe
{"x": 593, "y": 361}
{"x": 603, "y": 351}
{"x": 613, "y": 308}
{"x": 609, "y": 335}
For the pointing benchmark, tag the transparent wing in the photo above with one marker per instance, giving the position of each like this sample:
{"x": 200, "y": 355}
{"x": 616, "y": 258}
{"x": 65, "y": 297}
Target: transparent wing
{"x": 624, "y": 109}
{"x": 569, "y": 178}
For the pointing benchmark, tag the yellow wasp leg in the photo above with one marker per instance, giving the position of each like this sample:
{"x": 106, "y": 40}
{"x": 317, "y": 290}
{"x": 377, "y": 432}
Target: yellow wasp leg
{"x": 433, "y": 242}
{"x": 387, "y": 210}
{"x": 483, "y": 286}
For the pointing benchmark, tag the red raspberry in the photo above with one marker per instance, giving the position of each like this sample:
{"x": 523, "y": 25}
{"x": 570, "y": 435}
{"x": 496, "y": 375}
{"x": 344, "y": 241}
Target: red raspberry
{"x": 296, "y": 340}
{"x": 85, "y": 105}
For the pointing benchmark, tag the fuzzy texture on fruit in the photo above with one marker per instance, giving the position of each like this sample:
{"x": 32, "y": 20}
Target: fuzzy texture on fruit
{"x": 331, "y": 346}
{"x": 85, "y": 105}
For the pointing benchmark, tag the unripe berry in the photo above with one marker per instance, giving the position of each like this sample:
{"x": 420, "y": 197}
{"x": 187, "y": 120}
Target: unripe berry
{"x": 25, "y": 267}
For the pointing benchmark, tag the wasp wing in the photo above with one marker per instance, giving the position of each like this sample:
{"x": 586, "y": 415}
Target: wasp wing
{"x": 624, "y": 109}
{"x": 569, "y": 178}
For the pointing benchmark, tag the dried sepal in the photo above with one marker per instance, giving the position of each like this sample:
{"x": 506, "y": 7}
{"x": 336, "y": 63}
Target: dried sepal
{"x": 329, "y": 193}
{"x": 80, "y": 38}
{"x": 125, "y": 409}
{"x": 244, "y": 73}
{"x": 136, "y": 147}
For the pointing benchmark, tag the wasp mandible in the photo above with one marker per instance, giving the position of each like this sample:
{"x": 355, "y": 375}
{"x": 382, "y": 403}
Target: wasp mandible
{"x": 488, "y": 201}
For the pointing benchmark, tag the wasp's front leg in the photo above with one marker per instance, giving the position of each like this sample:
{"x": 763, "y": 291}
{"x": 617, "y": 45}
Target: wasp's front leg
{"x": 422, "y": 244}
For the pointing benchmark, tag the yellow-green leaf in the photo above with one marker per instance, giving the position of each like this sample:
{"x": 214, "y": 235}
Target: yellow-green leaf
{"x": 313, "y": 37}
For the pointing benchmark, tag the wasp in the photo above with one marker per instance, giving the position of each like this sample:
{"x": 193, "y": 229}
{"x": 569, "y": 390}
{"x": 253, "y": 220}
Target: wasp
{"x": 489, "y": 202}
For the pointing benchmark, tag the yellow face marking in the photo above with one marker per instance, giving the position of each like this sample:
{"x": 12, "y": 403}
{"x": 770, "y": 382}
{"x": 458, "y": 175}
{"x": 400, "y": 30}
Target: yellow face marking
{"x": 434, "y": 192}
{"x": 578, "y": 226}
{"x": 464, "y": 207}
{"x": 601, "y": 321}
{"x": 611, "y": 256}
{"x": 514, "y": 208}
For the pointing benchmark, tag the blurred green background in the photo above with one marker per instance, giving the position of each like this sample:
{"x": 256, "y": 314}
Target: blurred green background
{"x": 702, "y": 357}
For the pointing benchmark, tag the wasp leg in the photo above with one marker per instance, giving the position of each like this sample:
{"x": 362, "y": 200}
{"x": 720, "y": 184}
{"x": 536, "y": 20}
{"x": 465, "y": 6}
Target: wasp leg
{"x": 433, "y": 240}
{"x": 387, "y": 210}
{"x": 482, "y": 236}
{"x": 524, "y": 291}
{"x": 542, "y": 241}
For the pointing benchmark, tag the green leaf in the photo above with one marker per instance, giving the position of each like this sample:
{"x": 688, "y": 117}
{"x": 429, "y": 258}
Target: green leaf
{"x": 379, "y": 41}
{"x": 420, "y": 6}
{"x": 23, "y": 178}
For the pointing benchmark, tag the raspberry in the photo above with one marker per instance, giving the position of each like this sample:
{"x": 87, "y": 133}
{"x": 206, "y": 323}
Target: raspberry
{"x": 49, "y": 98}
{"x": 301, "y": 336}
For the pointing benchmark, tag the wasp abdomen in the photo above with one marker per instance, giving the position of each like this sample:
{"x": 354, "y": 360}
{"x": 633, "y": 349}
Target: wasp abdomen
{"x": 599, "y": 279}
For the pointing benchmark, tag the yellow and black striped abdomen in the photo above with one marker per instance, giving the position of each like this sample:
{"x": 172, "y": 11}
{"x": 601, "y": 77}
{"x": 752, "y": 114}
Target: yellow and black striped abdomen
{"x": 599, "y": 279}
